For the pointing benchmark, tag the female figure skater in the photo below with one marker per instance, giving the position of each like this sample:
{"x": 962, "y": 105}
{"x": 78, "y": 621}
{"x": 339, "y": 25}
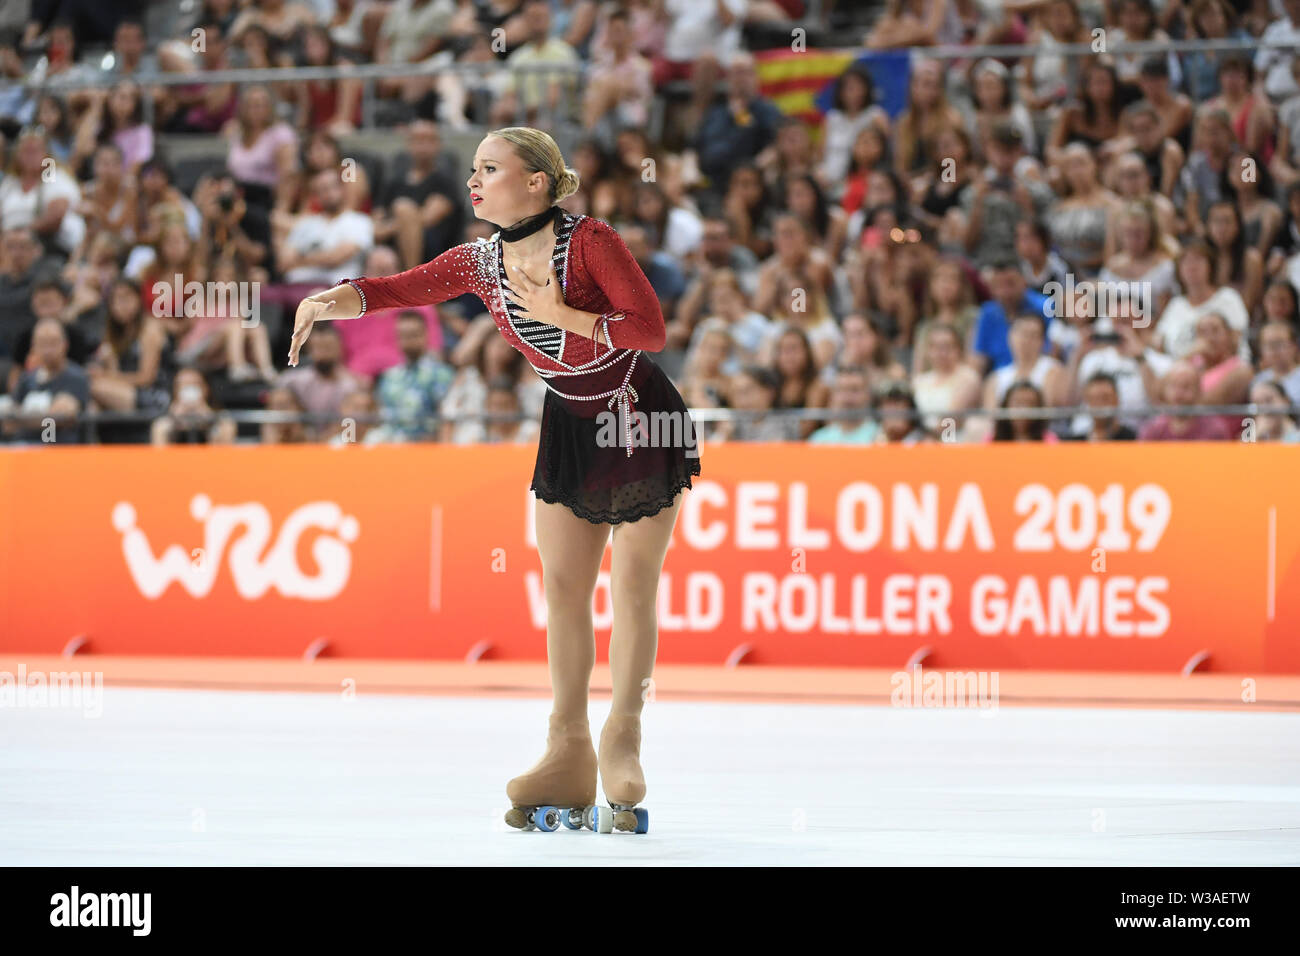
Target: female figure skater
{"x": 566, "y": 292}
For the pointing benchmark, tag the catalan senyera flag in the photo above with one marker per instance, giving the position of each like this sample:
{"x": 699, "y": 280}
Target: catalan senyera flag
{"x": 802, "y": 83}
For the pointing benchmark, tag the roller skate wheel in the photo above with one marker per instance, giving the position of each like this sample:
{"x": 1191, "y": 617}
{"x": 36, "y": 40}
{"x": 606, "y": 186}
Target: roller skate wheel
{"x": 603, "y": 818}
{"x": 520, "y": 818}
{"x": 547, "y": 818}
{"x": 625, "y": 820}
{"x": 573, "y": 819}
{"x": 642, "y": 820}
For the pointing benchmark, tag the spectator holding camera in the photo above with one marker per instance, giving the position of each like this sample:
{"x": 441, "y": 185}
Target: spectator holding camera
{"x": 1116, "y": 346}
{"x": 190, "y": 420}
{"x": 996, "y": 201}
{"x": 233, "y": 229}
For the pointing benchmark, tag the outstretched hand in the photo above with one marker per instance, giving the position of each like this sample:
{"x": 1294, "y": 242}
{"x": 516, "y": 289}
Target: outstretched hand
{"x": 309, "y": 310}
{"x": 543, "y": 301}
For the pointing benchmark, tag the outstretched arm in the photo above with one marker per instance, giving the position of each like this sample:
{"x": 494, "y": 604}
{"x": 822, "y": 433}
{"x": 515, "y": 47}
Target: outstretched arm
{"x": 451, "y": 274}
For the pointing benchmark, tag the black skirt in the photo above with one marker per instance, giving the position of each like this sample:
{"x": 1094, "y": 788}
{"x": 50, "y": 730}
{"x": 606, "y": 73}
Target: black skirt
{"x": 582, "y": 454}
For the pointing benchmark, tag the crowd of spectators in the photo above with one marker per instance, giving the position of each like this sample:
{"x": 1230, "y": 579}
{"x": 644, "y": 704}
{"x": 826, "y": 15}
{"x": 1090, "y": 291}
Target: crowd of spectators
{"x": 1103, "y": 232}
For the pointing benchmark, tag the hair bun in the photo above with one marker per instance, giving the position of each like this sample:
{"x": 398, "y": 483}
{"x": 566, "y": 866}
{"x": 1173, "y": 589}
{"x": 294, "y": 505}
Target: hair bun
{"x": 566, "y": 185}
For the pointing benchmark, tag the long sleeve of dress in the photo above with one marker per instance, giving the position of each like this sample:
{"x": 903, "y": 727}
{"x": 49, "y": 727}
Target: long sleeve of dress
{"x": 634, "y": 307}
{"x": 455, "y": 272}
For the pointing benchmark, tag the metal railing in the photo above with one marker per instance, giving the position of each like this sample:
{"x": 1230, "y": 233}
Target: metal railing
{"x": 428, "y": 427}
{"x": 1021, "y": 51}
{"x": 370, "y": 74}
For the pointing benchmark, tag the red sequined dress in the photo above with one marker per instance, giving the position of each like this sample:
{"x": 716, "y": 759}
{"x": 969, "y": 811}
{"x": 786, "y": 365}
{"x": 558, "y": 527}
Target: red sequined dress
{"x": 607, "y": 450}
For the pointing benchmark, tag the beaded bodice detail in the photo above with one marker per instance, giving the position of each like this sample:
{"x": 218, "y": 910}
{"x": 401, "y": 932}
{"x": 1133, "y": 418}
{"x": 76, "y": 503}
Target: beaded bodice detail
{"x": 597, "y": 273}
{"x": 544, "y": 338}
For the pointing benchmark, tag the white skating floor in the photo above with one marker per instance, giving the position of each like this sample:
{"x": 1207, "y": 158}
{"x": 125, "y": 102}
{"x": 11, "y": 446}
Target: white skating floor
{"x": 219, "y": 777}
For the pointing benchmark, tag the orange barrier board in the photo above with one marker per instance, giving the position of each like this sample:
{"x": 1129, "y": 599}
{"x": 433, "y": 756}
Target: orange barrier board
{"x": 1121, "y": 557}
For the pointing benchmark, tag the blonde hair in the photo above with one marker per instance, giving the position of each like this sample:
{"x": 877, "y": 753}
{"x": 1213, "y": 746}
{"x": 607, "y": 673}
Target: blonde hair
{"x": 541, "y": 155}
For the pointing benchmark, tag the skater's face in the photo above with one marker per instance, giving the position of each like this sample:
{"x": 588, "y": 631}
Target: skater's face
{"x": 501, "y": 189}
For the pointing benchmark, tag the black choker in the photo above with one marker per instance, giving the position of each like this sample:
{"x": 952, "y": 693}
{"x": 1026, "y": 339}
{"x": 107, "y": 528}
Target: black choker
{"x": 528, "y": 226}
